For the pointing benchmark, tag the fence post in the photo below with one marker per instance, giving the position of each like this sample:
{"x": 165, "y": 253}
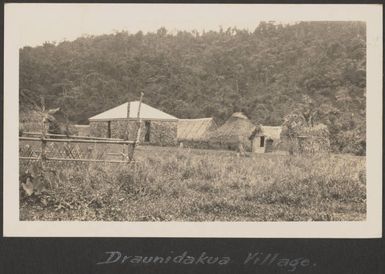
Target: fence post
{"x": 139, "y": 123}
{"x": 43, "y": 137}
{"x": 139, "y": 119}
{"x": 43, "y": 152}
{"x": 128, "y": 157}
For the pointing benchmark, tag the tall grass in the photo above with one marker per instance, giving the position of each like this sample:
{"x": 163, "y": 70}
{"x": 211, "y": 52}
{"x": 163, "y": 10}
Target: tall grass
{"x": 170, "y": 184}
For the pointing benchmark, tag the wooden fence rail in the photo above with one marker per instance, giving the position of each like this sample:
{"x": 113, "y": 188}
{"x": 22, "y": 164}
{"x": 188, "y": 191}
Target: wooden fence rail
{"x": 55, "y": 149}
{"x": 72, "y": 160}
{"x": 75, "y": 141}
{"x": 71, "y": 136}
{"x": 70, "y": 148}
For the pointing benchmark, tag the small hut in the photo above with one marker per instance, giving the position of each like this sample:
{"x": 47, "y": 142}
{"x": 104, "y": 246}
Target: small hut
{"x": 265, "y": 138}
{"x": 195, "y": 132}
{"x": 233, "y": 134}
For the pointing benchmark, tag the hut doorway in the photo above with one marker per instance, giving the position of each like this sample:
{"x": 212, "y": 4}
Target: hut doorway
{"x": 109, "y": 129}
{"x": 262, "y": 141}
{"x": 147, "y": 126}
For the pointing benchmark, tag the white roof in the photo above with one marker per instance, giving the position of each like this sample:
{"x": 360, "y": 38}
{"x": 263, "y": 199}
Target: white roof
{"x": 120, "y": 112}
{"x": 272, "y": 132}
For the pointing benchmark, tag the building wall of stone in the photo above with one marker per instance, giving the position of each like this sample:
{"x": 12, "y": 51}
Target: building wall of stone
{"x": 162, "y": 133}
{"x": 119, "y": 127}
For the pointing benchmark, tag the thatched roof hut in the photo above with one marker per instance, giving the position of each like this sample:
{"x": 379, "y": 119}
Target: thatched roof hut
{"x": 265, "y": 138}
{"x": 195, "y": 129}
{"x": 236, "y": 130}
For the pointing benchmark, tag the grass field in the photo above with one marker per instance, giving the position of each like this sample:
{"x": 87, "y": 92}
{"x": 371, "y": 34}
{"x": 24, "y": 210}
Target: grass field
{"x": 172, "y": 184}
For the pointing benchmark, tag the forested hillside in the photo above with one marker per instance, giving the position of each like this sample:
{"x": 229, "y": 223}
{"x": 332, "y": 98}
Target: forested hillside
{"x": 264, "y": 73}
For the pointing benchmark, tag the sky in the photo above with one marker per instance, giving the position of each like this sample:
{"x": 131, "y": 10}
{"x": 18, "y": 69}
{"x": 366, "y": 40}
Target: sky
{"x": 38, "y": 23}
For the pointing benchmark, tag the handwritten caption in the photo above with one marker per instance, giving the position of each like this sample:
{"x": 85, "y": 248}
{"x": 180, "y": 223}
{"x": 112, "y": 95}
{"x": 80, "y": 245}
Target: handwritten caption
{"x": 251, "y": 259}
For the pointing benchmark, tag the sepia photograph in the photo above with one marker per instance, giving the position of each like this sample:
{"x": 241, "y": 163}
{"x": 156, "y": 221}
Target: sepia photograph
{"x": 208, "y": 114}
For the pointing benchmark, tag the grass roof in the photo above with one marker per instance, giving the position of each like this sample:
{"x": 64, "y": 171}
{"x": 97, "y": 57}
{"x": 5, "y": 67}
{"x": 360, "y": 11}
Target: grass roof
{"x": 236, "y": 129}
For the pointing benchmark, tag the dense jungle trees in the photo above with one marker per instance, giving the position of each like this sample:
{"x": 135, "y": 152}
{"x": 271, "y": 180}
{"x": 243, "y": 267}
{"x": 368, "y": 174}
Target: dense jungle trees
{"x": 265, "y": 73}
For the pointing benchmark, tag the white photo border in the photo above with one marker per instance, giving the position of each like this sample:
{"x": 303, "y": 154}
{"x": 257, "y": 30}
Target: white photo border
{"x": 370, "y": 228}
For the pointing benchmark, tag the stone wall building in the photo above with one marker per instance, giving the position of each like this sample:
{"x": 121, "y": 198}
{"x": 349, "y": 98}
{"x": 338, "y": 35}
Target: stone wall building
{"x": 157, "y": 127}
